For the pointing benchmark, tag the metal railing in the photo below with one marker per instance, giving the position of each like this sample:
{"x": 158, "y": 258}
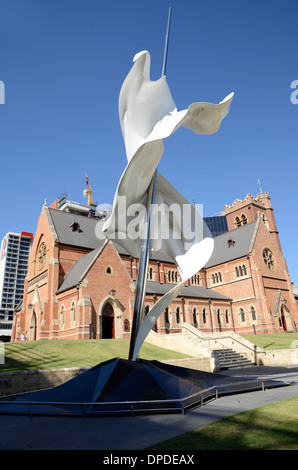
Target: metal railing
{"x": 178, "y": 405}
{"x": 229, "y": 335}
{"x": 234, "y": 356}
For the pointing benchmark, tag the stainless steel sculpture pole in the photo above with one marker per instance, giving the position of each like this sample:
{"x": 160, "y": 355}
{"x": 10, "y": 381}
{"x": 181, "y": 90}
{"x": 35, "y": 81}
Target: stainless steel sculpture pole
{"x": 165, "y": 56}
{"x": 145, "y": 248}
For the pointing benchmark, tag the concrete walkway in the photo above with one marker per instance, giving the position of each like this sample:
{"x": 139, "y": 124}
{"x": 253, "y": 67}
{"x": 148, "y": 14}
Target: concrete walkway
{"x": 134, "y": 433}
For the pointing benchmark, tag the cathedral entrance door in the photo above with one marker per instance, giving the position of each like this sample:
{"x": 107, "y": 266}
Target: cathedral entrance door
{"x": 283, "y": 321}
{"x": 108, "y": 322}
{"x": 33, "y": 327}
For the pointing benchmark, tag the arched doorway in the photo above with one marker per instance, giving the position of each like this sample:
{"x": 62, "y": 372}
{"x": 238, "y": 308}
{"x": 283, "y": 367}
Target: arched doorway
{"x": 33, "y": 327}
{"x": 108, "y": 322}
{"x": 283, "y": 318}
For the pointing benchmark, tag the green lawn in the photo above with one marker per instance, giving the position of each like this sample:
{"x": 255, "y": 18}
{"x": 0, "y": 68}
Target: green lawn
{"x": 86, "y": 353}
{"x": 74, "y": 353}
{"x": 273, "y": 341}
{"x": 271, "y": 427}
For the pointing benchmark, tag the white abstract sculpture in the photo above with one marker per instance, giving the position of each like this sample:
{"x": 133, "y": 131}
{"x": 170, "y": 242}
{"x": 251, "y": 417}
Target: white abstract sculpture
{"x": 147, "y": 116}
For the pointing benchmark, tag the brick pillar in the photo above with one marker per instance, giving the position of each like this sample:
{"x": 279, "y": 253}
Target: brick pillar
{"x": 85, "y": 316}
{"x": 52, "y": 305}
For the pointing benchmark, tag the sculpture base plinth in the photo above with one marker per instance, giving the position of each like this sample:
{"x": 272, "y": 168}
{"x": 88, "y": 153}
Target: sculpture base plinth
{"x": 124, "y": 387}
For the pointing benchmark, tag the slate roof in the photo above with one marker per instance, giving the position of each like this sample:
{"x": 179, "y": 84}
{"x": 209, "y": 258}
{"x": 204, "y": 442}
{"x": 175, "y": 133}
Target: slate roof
{"x": 61, "y": 222}
{"x": 85, "y": 238}
{"x": 83, "y": 264}
{"x": 198, "y": 292}
{"x": 79, "y": 269}
{"x": 243, "y": 238}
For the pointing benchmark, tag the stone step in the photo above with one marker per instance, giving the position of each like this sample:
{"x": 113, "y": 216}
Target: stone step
{"x": 228, "y": 358}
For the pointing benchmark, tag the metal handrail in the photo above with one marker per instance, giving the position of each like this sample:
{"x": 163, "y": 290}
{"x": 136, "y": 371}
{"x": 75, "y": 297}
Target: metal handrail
{"x": 216, "y": 341}
{"x": 226, "y": 335}
{"x": 133, "y": 406}
{"x": 237, "y": 359}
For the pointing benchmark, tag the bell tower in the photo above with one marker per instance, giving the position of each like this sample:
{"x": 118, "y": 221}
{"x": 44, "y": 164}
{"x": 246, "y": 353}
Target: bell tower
{"x": 245, "y": 211}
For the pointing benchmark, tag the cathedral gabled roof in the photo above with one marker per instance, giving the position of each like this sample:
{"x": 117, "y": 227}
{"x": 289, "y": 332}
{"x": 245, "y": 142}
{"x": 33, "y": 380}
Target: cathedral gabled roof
{"x": 79, "y": 270}
{"x": 234, "y": 244}
{"x": 85, "y": 236}
{"x": 83, "y": 264}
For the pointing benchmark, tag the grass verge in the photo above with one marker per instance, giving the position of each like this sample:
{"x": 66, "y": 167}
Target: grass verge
{"x": 273, "y": 341}
{"x": 271, "y": 427}
{"x": 58, "y": 354}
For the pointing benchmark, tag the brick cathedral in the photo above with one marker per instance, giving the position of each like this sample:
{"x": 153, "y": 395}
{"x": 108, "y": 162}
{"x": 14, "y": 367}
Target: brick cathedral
{"x": 79, "y": 287}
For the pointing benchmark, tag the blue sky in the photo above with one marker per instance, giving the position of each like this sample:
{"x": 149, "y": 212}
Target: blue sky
{"x": 63, "y": 63}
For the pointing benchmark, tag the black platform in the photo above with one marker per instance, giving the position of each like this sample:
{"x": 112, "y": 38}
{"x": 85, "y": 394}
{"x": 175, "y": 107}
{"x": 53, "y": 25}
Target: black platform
{"x": 119, "y": 386}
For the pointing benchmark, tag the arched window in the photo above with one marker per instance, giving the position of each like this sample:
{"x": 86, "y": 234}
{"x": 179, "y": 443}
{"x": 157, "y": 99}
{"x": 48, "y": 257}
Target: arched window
{"x": 241, "y": 270}
{"x": 62, "y": 316}
{"x": 167, "y": 320}
{"x": 239, "y": 221}
{"x": 150, "y": 273}
{"x": 41, "y": 254}
{"x": 269, "y": 259}
{"x": 253, "y": 313}
{"x": 216, "y": 278}
{"x": 195, "y": 280}
{"x": 264, "y": 218}
{"x": 227, "y": 316}
{"x": 243, "y": 219}
{"x": 204, "y": 315}
{"x": 242, "y": 314}
{"x": 218, "y": 316}
{"x": 172, "y": 276}
{"x": 147, "y": 308}
{"x": 73, "y": 311}
{"x": 194, "y": 314}
{"x": 177, "y": 315}
{"x": 126, "y": 325}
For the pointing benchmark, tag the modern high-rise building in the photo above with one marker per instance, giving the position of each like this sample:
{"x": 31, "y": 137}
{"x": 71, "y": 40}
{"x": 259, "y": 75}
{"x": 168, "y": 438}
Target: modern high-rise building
{"x": 14, "y": 254}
